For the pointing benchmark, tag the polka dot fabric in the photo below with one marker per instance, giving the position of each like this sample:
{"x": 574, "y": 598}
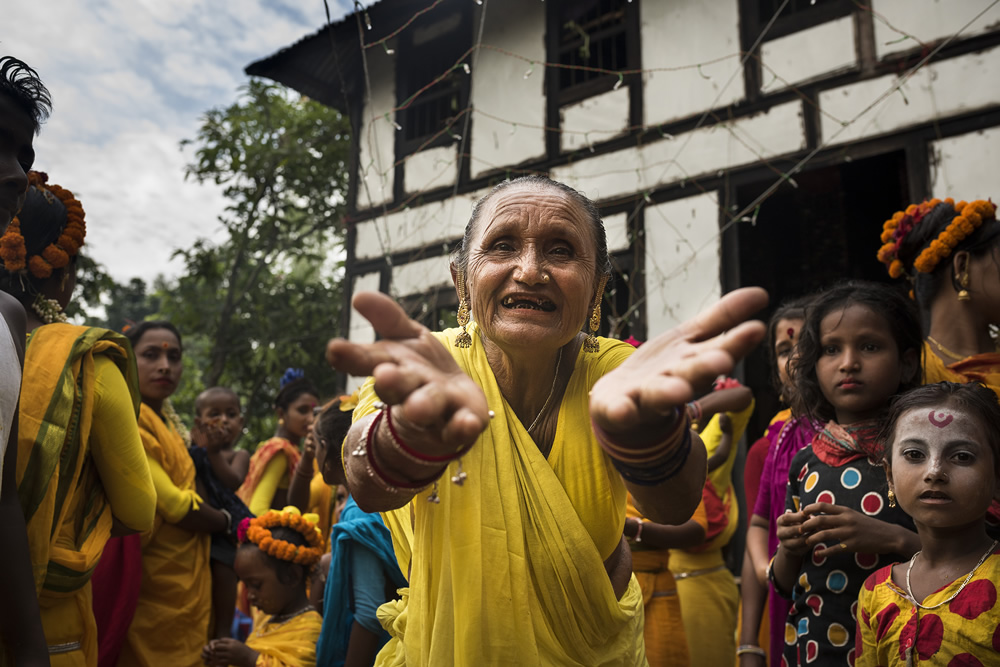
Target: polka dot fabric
{"x": 821, "y": 625}
{"x": 966, "y": 631}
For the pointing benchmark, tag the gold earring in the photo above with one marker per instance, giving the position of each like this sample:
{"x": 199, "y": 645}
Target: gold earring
{"x": 65, "y": 279}
{"x": 591, "y": 344}
{"x": 463, "y": 340}
{"x": 963, "y": 294}
{"x": 281, "y": 421}
{"x": 892, "y": 498}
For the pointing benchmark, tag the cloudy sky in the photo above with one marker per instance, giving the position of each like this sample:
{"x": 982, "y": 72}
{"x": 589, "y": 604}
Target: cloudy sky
{"x": 129, "y": 80}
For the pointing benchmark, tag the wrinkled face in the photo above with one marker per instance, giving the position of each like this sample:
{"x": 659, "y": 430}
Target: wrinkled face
{"x": 859, "y": 368}
{"x": 300, "y": 415}
{"x": 158, "y": 357}
{"x": 264, "y": 590}
{"x": 943, "y": 470}
{"x": 16, "y": 157}
{"x": 531, "y": 271}
{"x": 786, "y": 335}
{"x": 222, "y": 410}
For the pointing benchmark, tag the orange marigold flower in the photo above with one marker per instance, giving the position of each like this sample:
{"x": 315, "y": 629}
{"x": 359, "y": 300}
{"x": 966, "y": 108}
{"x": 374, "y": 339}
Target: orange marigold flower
{"x": 895, "y": 269}
{"x": 55, "y": 256}
{"x": 39, "y": 267}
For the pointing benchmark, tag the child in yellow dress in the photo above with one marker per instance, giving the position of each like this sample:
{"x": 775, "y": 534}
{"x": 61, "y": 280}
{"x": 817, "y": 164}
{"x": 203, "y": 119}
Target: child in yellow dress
{"x": 276, "y": 554}
{"x": 942, "y": 450}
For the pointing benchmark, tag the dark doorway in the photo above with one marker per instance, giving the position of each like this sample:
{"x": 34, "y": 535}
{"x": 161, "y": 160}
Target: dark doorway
{"x": 812, "y": 236}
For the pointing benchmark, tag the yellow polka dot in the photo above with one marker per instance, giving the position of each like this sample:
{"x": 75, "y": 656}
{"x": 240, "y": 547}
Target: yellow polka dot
{"x": 804, "y": 582}
{"x": 837, "y": 634}
{"x": 811, "y": 481}
{"x": 790, "y": 634}
{"x": 797, "y": 502}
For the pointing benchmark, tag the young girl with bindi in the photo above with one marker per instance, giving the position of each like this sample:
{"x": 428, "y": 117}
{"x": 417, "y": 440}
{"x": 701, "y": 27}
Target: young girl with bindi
{"x": 276, "y": 553}
{"x": 859, "y": 346}
{"x": 942, "y": 449}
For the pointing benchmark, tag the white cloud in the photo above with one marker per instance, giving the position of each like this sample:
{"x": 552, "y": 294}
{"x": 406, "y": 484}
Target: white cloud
{"x": 129, "y": 80}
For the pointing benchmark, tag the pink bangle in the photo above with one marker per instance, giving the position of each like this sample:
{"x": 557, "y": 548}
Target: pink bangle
{"x": 654, "y": 453}
{"x": 375, "y": 472}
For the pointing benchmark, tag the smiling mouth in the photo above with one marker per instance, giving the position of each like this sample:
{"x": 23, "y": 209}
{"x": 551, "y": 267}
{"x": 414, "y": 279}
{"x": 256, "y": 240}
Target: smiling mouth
{"x": 528, "y": 303}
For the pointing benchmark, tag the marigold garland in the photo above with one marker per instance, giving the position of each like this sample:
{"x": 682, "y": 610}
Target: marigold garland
{"x": 56, "y": 255}
{"x": 970, "y": 216}
{"x": 259, "y": 533}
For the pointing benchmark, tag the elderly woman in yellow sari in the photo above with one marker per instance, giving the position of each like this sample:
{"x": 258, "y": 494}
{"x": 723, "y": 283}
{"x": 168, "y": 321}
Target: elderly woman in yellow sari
{"x": 81, "y": 470}
{"x": 497, "y": 451}
{"x": 171, "y": 622}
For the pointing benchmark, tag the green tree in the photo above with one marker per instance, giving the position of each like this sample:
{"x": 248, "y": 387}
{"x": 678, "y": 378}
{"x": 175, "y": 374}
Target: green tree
{"x": 268, "y": 296}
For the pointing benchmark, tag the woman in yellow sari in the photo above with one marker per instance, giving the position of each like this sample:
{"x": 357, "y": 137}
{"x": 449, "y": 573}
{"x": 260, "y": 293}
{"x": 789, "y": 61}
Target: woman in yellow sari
{"x": 950, "y": 252}
{"x": 81, "y": 470}
{"x": 499, "y": 454}
{"x": 171, "y": 622}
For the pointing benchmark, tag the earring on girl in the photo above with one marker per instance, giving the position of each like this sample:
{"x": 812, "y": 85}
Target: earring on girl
{"x": 463, "y": 340}
{"x": 892, "y": 498}
{"x": 963, "y": 294}
{"x": 591, "y": 344}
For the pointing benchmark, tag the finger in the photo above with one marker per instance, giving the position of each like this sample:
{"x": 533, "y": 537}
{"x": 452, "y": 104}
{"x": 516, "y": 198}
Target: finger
{"x": 426, "y": 406}
{"x": 356, "y": 358}
{"x": 739, "y": 341}
{"x": 393, "y": 382}
{"x": 838, "y": 548}
{"x": 463, "y": 428}
{"x": 822, "y": 508}
{"x": 386, "y": 316}
{"x": 729, "y": 311}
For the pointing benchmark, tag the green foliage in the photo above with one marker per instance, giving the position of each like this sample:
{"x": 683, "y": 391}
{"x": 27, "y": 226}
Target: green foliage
{"x": 268, "y": 296}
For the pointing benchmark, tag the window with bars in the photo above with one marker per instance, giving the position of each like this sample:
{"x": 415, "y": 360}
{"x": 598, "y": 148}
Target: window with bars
{"x": 593, "y": 42}
{"x": 795, "y": 15}
{"x": 432, "y": 81}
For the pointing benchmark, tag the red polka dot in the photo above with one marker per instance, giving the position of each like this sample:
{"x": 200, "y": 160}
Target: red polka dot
{"x": 872, "y": 503}
{"x": 854, "y": 610}
{"x": 906, "y": 636}
{"x": 929, "y": 636}
{"x": 803, "y": 472}
{"x": 816, "y": 558}
{"x": 965, "y": 660}
{"x": 815, "y": 603}
{"x": 826, "y": 497}
{"x": 851, "y": 657}
{"x": 885, "y": 619}
{"x": 812, "y": 650}
{"x": 866, "y": 561}
{"x": 978, "y": 597}
{"x": 996, "y": 639}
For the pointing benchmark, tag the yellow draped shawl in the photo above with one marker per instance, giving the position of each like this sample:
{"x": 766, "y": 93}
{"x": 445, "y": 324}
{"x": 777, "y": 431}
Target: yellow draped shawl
{"x": 289, "y": 644}
{"x": 983, "y": 368}
{"x": 509, "y": 567}
{"x": 171, "y": 621}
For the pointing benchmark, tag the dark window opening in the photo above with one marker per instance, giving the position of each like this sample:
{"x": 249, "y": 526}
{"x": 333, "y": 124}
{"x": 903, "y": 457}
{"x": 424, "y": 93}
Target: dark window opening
{"x": 795, "y": 16}
{"x": 822, "y": 233}
{"x": 432, "y": 83}
{"x": 592, "y": 35}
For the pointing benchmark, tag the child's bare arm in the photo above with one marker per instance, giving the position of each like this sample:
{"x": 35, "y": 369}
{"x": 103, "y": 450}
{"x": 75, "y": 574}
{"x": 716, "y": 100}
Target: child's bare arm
{"x": 216, "y": 441}
{"x": 239, "y": 461}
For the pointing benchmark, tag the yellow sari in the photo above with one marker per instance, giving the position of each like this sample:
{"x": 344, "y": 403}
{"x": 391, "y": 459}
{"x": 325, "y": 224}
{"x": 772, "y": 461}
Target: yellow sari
{"x": 171, "y": 621}
{"x": 288, "y": 644}
{"x": 73, "y": 375}
{"x": 509, "y": 567}
{"x": 984, "y": 368}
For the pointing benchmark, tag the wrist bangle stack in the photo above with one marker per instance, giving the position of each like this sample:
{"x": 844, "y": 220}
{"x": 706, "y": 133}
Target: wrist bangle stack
{"x": 751, "y": 649}
{"x": 638, "y": 532}
{"x": 654, "y": 465}
{"x": 372, "y": 468}
{"x": 694, "y": 411}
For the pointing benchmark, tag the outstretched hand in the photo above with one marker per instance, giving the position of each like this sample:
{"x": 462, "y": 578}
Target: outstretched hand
{"x": 668, "y": 370}
{"x": 436, "y": 406}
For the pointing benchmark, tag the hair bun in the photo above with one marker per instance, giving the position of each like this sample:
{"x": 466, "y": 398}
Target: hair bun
{"x": 291, "y": 375}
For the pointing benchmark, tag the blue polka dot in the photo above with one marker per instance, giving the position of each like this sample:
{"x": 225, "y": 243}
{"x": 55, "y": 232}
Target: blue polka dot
{"x": 803, "y": 628}
{"x": 850, "y": 478}
{"x": 836, "y": 581}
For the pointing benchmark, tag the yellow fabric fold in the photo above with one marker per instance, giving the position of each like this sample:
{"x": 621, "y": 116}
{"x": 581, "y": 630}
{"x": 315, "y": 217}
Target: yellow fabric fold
{"x": 509, "y": 567}
{"x": 170, "y": 626}
{"x": 288, "y": 644}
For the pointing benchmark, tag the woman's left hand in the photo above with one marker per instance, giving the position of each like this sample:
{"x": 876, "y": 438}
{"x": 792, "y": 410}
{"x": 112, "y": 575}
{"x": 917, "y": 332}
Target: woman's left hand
{"x": 844, "y": 529}
{"x": 667, "y": 371}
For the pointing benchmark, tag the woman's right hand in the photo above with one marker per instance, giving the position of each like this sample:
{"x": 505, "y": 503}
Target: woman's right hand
{"x": 792, "y": 538}
{"x": 437, "y": 408}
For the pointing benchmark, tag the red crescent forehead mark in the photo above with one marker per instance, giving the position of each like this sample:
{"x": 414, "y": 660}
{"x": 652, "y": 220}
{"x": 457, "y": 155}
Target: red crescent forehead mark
{"x": 941, "y": 419}
{"x": 791, "y": 332}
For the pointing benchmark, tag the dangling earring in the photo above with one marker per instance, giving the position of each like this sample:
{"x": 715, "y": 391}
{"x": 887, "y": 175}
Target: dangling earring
{"x": 963, "y": 294}
{"x": 463, "y": 340}
{"x": 281, "y": 421}
{"x": 892, "y": 498}
{"x": 65, "y": 279}
{"x": 591, "y": 344}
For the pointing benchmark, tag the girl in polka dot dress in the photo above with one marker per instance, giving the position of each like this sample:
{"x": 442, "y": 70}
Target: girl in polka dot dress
{"x": 859, "y": 346}
{"x": 942, "y": 453}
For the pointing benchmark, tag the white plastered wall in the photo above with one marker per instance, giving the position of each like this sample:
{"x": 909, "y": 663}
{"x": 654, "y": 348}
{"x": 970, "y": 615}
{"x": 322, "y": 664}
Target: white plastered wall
{"x": 683, "y": 247}
{"x": 431, "y": 168}
{"x": 683, "y": 34}
{"x": 359, "y": 330}
{"x": 958, "y": 166}
{"x": 901, "y": 23}
{"x": 420, "y": 276}
{"x": 501, "y": 89}
{"x": 595, "y": 119}
{"x": 808, "y": 54}
{"x": 937, "y": 90}
{"x": 377, "y": 137}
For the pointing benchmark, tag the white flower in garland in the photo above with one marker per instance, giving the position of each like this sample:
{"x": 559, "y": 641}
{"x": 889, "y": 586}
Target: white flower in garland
{"x": 48, "y": 310}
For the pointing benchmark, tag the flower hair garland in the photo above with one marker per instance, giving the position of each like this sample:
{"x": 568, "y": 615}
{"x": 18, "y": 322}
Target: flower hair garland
{"x": 970, "y": 216}
{"x": 259, "y": 533}
{"x": 56, "y": 255}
